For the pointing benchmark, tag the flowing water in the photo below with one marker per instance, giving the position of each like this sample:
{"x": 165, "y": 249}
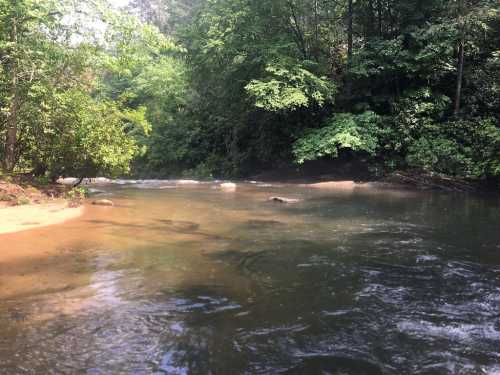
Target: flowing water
{"x": 197, "y": 280}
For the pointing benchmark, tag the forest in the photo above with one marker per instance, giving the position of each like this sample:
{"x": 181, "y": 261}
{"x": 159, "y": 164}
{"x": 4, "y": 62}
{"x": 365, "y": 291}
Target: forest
{"x": 228, "y": 88}
{"x": 250, "y": 187}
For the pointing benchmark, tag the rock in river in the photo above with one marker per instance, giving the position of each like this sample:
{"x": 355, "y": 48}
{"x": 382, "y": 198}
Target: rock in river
{"x": 228, "y": 186}
{"x": 284, "y": 200}
{"x": 103, "y": 202}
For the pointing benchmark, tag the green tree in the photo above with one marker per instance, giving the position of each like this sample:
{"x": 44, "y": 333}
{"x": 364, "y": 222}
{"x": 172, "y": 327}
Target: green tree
{"x": 53, "y": 118}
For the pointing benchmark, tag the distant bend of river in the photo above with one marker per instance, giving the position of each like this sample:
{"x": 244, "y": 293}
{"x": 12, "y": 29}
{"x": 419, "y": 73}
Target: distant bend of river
{"x": 195, "y": 279}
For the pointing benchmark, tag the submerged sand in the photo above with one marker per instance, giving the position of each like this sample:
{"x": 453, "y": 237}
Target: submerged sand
{"x": 19, "y": 218}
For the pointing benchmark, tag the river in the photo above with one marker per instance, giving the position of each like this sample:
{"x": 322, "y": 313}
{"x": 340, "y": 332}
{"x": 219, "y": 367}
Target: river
{"x": 193, "y": 279}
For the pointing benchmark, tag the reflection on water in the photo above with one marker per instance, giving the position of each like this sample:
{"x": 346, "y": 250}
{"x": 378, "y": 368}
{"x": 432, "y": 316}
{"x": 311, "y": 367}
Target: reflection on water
{"x": 190, "y": 279}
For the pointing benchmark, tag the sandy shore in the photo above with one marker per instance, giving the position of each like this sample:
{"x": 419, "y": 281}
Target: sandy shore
{"x": 18, "y": 218}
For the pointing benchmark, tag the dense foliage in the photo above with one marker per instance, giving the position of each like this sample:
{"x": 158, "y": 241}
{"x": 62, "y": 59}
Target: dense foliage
{"x": 345, "y": 131}
{"x": 231, "y": 87}
{"x": 401, "y": 84}
{"x": 70, "y": 77}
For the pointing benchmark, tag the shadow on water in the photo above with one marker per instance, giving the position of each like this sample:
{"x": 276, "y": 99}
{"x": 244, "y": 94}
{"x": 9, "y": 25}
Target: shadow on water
{"x": 321, "y": 365}
{"x": 166, "y": 226}
{"x": 263, "y": 225}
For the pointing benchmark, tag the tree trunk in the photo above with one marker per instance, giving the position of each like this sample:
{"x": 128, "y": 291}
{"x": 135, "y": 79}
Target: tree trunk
{"x": 461, "y": 52}
{"x": 370, "y": 30}
{"x": 460, "y": 75}
{"x": 349, "y": 47}
{"x": 316, "y": 31}
{"x": 379, "y": 11}
{"x": 11, "y": 137}
{"x": 299, "y": 35}
{"x": 79, "y": 182}
{"x": 391, "y": 27}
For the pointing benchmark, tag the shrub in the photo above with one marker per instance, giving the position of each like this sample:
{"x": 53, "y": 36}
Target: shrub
{"x": 358, "y": 133}
{"x": 467, "y": 148}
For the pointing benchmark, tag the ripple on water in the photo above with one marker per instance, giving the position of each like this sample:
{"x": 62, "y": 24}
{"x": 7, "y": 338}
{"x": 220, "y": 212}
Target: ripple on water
{"x": 427, "y": 258}
{"x": 335, "y": 365}
{"x": 388, "y": 295}
{"x": 341, "y": 285}
{"x": 456, "y": 332}
{"x": 204, "y": 304}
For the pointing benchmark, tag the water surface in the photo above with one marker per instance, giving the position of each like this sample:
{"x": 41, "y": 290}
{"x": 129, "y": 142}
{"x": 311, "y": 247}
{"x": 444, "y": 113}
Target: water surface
{"x": 197, "y": 280}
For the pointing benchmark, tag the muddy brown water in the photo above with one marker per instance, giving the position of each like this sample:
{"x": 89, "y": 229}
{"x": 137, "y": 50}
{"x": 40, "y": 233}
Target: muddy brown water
{"x": 196, "y": 280}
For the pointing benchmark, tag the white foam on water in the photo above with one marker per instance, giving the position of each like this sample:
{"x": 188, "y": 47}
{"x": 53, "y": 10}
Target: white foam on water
{"x": 459, "y": 332}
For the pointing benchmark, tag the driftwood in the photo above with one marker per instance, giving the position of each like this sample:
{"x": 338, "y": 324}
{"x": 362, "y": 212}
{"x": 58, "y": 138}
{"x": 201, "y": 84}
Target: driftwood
{"x": 437, "y": 182}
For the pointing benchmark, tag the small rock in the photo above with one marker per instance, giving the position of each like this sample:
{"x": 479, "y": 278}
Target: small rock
{"x": 103, "y": 202}
{"x": 67, "y": 180}
{"x": 284, "y": 200}
{"x": 18, "y": 315}
{"x": 99, "y": 181}
{"x": 340, "y": 185}
{"x": 187, "y": 182}
{"x": 228, "y": 186}
{"x": 74, "y": 203}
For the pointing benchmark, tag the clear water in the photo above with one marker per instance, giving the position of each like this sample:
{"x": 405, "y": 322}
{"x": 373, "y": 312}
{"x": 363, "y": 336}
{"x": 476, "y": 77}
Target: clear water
{"x": 196, "y": 280}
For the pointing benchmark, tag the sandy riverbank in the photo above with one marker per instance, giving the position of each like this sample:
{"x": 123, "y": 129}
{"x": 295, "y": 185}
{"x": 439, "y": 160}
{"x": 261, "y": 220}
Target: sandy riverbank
{"x": 18, "y": 218}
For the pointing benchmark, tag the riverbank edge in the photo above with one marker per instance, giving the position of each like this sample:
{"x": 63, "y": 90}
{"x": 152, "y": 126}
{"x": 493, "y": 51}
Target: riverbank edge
{"x": 395, "y": 180}
{"x": 26, "y": 204}
{"x": 407, "y": 180}
{"x": 19, "y": 218}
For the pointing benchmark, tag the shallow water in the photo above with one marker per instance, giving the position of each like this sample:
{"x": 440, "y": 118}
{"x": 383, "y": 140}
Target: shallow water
{"x": 195, "y": 280}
